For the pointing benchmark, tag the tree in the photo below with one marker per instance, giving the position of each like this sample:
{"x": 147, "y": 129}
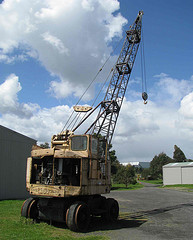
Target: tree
{"x": 125, "y": 175}
{"x": 145, "y": 174}
{"x": 157, "y": 163}
{"x": 44, "y": 145}
{"x": 178, "y": 155}
{"x": 114, "y": 161}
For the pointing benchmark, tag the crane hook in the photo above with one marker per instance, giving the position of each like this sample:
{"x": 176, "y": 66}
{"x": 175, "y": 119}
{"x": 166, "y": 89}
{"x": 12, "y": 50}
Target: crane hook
{"x": 145, "y": 97}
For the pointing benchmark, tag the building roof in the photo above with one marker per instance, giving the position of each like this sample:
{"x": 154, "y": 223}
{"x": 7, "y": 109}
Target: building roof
{"x": 145, "y": 164}
{"x": 138, "y": 164}
{"x": 179, "y": 164}
{"x": 2, "y": 128}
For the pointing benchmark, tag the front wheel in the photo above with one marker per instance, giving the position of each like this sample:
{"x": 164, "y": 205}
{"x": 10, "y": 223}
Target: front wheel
{"x": 29, "y": 208}
{"x": 78, "y": 217}
{"x": 33, "y": 210}
{"x": 25, "y": 207}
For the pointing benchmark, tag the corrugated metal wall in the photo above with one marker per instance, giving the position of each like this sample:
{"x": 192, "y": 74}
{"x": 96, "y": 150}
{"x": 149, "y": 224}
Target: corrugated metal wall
{"x": 178, "y": 173}
{"x": 172, "y": 176}
{"x": 14, "y": 150}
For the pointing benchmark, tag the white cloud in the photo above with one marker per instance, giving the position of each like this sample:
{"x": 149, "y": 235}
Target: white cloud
{"x": 8, "y": 93}
{"x": 69, "y": 38}
{"x": 142, "y": 130}
{"x": 146, "y": 130}
{"x": 170, "y": 91}
{"x": 5, "y": 58}
{"x": 161, "y": 75}
{"x": 41, "y": 125}
{"x": 110, "y": 5}
{"x": 136, "y": 118}
{"x": 29, "y": 118}
{"x": 9, "y": 104}
{"x": 88, "y": 5}
{"x": 185, "y": 121}
{"x": 63, "y": 88}
{"x": 115, "y": 28}
{"x": 55, "y": 42}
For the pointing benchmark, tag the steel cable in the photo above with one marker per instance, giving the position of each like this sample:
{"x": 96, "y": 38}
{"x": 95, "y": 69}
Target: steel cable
{"x": 90, "y": 86}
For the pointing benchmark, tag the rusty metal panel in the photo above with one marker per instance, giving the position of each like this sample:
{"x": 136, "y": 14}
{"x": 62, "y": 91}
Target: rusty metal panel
{"x": 28, "y": 172}
{"x": 84, "y": 172}
{"x": 82, "y": 108}
{"x": 70, "y": 154}
{"x": 97, "y": 187}
{"x": 42, "y": 152}
{"x": 94, "y": 169}
{"x": 14, "y": 150}
{"x": 54, "y": 191}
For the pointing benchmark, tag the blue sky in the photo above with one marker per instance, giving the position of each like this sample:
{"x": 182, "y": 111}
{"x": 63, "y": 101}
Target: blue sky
{"x": 50, "y": 51}
{"x": 167, "y": 33}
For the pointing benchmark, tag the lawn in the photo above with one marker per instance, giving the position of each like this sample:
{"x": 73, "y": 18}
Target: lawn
{"x": 180, "y": 186}
{"x": 13, "y": 226}
{"x": 159, "y": 181}
{"x": 129, "y": 187}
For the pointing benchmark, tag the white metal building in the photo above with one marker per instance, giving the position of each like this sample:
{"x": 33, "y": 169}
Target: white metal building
{"x": 178, "y": 173}
{"x": 14, "y": 150}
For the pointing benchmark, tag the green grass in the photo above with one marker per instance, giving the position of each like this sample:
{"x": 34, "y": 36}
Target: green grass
{"x": 185, "y": 186}
{"x": 129, "y": 187}
{"x": 159, "y": 181}
{"x": 13, "y": 226}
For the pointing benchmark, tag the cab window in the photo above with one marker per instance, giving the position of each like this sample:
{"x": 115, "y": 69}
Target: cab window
{"x": 94, "y": 144}
{"x": 79, "y": 143}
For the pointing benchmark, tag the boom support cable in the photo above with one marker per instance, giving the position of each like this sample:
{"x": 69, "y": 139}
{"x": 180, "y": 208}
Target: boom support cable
{"x": 95, "y": 77}
{"x": 95, "y": 97}
{"x": 143, "y": 69}
{"x": 106, "y": 119}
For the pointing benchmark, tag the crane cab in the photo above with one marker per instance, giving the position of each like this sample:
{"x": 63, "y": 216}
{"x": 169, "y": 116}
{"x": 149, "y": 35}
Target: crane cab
{"x": 74, "y": 165}
{"x": 66, "y": 181}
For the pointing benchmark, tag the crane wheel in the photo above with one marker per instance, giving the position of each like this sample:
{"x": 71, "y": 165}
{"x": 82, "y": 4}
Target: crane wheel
{"x": 33, "y": 210}
{"x": 25, "y": 207}
{"x": 112, "y": 210}
{"x": 78, "y": 217}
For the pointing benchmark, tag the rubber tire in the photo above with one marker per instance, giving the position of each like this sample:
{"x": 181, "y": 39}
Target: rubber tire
{"x": 25, "y": 207}
{"x": 112, "y": 208}
{"x": 33, "y": 210}
{"x": 78, "y": 217}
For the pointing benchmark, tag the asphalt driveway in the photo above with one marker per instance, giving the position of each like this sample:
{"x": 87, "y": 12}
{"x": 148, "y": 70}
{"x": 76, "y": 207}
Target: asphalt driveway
{"x": 150, "y": 213}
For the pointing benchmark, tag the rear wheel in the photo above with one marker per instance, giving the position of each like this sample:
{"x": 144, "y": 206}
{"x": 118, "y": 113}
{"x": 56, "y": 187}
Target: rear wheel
{"x": 78, "y": 217}
{"x": 112, "y": 210}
